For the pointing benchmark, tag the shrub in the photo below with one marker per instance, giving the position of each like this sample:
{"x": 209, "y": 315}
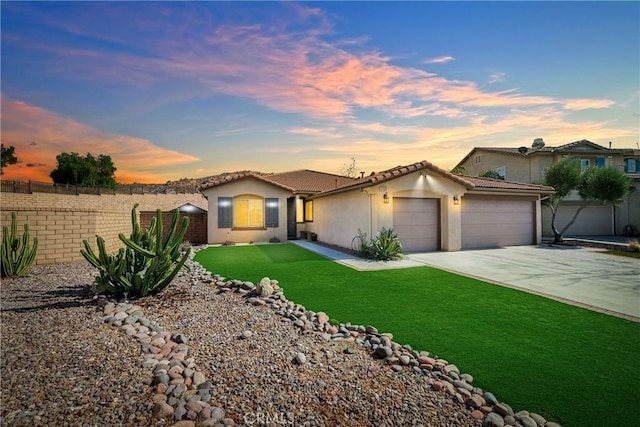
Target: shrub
{"x": 148, "y": 262}
{"x": 17, "y": 255}
{"x": 633, "y": 245}
{"x": 384, "y": 247}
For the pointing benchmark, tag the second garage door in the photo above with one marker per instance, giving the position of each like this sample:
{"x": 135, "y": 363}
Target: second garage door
{"x": 591, "y": 221}
{"x": 417, "y": 223}
{"x": 489, "y": 222}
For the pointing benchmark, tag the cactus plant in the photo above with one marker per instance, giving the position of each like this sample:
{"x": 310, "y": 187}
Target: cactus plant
{"x": 17, "y": 255}
{"x": 148, "y": 262}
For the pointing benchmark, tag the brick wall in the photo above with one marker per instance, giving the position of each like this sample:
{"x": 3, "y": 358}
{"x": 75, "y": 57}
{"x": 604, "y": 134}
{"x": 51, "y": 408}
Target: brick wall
{"x": 62, "y": 221}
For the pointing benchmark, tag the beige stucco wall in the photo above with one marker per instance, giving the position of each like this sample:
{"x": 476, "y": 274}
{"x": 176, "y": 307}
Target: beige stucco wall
{"x": 63, "y": 221}
{"x": 338, "y": 217}
{"x": 251, "y": 186}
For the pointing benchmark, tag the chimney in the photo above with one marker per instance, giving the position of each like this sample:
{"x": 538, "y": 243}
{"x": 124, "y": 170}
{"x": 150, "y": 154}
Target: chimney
{"x": 609, "y": 145}
{"x": 361, "y": 174}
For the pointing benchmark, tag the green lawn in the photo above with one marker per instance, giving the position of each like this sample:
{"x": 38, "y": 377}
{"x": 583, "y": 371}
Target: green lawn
{"x": 571, "y": 365}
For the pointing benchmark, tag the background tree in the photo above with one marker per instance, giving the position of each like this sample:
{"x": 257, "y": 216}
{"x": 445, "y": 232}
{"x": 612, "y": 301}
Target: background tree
{"x": 606, "y": 185}
{"x": 73, "y": 169}
{"x": 8, "y": 157}
{"x": 349, "y": 169}
{"x": 491, "y": 174}
{"x": 459, "y": 170}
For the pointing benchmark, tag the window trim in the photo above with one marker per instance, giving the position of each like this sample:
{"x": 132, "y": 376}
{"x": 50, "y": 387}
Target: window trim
{"x": 584, "y": 164}
{"x": 629, "y": 162}
{"x": 248, "y": 198}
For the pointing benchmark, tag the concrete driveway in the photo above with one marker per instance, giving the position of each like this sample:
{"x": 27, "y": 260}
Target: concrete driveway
{"x": 584, "y": 276}
{"x": 581, "y": 276}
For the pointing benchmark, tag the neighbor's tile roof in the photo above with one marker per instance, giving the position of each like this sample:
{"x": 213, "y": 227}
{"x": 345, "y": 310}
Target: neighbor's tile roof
{"x": 298, "y": 181}
{"x": 585, "y": 145}
{"x": 499, "y": 184}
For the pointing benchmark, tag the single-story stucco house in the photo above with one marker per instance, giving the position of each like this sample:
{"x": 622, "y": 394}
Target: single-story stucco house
{"x": 428, "y": 207}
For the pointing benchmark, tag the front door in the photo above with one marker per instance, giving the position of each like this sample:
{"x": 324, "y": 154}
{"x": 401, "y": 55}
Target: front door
{"x": 292, "y": 230}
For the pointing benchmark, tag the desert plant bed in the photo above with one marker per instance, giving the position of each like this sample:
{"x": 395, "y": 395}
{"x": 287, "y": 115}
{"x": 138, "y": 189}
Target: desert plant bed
{"x": 574, "y": 366}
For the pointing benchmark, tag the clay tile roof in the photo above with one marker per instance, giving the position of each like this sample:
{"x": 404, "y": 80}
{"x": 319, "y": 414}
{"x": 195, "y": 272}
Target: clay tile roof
{"x": 299, "y": 181}
{"x": 379, "y": 177}
{"x": 308, "y": 181}
{"x": 499, "y": 184}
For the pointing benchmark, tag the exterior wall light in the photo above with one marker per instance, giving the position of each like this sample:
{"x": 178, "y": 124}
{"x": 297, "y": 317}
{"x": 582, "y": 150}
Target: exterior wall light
{"x": 456, "y": 199}
{"x": 385, "y": 198}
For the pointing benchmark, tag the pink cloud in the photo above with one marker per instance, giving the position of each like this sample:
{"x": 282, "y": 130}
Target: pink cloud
{"x": 292, "y": 69}
{"x": 39, "y": 136}
{"x": 439, "y": 60}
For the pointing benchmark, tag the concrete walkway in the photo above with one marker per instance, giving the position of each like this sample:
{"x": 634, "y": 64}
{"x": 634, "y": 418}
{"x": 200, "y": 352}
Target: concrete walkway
{"x": 580, "y": 276}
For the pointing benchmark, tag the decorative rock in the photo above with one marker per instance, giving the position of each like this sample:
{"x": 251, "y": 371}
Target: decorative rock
{"x": 396, "y": 368}
{"x": 493, "y": 420}
{"x": 527, "y": 421}
{"x": 490, "y": 398}
{"x": 503, "y": 409}
{"x": 539, "y": 419}
{"x": 217, "y": 414}
{"x": 246, "y": 334}
{"x": 179, "y": 338}
{"x": 405, "y": 360}
{"x": 300, "y": 358}
{"x": 451, "y": 368}
{"x": 322, "y": 317}
{"x": 264, "y": 288}
{"x": 198, "y": 378}
{"x": 477, "y": 414}
{"x": 384, "y": 351}
{"x": 162, "y": 410}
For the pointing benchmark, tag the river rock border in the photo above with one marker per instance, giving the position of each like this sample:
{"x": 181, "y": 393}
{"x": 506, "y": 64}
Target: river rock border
{"x": 182, "y": 393}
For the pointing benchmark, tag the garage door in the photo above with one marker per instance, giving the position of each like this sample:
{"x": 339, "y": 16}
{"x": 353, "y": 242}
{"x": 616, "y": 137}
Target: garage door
{"x": 417, "y": 223}
{"x": 591, "y": 221}
{"x": 489, "y": 222}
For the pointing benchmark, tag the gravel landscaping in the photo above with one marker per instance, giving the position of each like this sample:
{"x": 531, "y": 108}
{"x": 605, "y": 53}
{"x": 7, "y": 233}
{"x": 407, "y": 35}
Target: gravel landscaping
{"x": 208, "y": 352}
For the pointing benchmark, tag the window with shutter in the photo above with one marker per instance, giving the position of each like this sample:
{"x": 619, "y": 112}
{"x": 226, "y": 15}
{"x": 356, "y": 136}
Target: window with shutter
{"x": 225, "y": 212}
{"x": 271, "y": 212}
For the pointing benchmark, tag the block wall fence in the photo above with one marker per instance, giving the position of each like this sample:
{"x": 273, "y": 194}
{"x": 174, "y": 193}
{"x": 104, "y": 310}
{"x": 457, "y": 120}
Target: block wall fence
{"x": 63, "y": 221}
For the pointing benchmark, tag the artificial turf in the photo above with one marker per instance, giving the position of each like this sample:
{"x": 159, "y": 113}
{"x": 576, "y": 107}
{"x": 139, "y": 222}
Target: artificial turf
{"x": 571, "y": 365}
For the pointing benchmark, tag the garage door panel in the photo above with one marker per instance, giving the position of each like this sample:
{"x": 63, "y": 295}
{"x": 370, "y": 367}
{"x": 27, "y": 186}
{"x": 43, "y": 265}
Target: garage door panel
{"x": 494, "y": 222}
{"x": 415, "y": 219}
{"x": 417, "y": 223}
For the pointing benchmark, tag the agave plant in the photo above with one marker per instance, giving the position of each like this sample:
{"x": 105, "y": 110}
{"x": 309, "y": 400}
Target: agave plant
{"x": 148, "y": 262}
{"x": 384, "y": 247}
{"x": 17, "y": 254}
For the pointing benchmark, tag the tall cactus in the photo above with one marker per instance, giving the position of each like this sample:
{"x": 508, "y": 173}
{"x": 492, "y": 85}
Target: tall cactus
{"x": 16, "y": 255}
{"x": 148, "y": 262}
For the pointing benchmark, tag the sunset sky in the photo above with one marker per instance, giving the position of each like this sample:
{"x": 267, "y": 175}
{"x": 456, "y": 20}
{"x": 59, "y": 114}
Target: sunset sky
{"x": 173, "y": 89}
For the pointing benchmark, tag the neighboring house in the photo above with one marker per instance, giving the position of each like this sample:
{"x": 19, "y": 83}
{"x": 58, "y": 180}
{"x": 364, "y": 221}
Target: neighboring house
{"x": 527, "y": 164}
{"x": 428, "y": 207}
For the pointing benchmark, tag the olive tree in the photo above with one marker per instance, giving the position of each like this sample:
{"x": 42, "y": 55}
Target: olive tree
{"x": 604, "y": 185}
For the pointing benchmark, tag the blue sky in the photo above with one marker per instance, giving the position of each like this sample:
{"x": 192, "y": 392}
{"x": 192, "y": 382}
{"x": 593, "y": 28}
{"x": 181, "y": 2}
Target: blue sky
{"x": 176, "y": 89}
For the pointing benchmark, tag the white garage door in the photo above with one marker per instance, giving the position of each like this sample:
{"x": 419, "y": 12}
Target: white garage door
{"x": 489, "y": 222}
{"x": 417, "y": 223}
{"x": 591, "y": 221}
